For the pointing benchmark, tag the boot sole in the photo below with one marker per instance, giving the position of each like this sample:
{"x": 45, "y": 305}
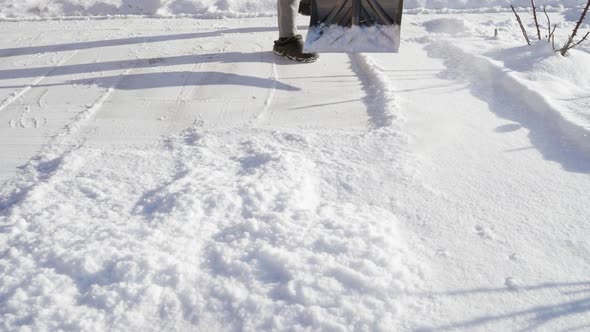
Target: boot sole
{"x": 290, "y": 57}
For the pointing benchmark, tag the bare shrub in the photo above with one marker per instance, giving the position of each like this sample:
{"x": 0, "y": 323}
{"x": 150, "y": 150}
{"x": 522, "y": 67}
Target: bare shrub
{"x": 571, "y": 42}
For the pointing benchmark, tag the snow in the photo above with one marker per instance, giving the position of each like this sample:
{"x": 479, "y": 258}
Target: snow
{"x": 202, "y": 8}
{"x": 224, "y": 231}
{"x": 220, "y": 8}
{"x": 557, "y": 76}
{"x": 334, "y": 38}
{"x": 172, "y": 173}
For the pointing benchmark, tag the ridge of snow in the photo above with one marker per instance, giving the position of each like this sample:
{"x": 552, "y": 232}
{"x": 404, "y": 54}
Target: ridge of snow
{"x": 480, "y": 70}
{"x": 380, "y": 94}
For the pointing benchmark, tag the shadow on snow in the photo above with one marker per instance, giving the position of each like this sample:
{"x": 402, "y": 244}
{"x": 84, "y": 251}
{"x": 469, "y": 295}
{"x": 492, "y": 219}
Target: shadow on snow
{"x": 533, "y": 318}
{"x": 544, "y": 128}
{"x": 156, "y": 80}
{"x": 18, "y": 51}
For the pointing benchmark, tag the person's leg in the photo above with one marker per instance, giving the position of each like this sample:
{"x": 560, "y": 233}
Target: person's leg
{"x": 287, "y": 12}
{"x": 290, "y": 42}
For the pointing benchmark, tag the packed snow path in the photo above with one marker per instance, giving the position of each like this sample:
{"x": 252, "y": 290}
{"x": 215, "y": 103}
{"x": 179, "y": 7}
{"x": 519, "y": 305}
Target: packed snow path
{"x": 173, "y": 174}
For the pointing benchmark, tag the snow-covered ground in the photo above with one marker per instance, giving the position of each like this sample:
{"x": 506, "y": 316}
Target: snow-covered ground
{"x": 173, "y": 174}
{"x": 227, "y": 8}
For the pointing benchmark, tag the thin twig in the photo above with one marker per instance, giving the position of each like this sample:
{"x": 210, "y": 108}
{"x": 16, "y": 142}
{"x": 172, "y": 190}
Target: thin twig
{"x": 536, "y": 21}
{"x": 581, "y": 19}
{"x": 578, "y": 43}
{"x": 548, "y": 23}
{"x": 552, "y": 34}
{"x": 526, "y": 37}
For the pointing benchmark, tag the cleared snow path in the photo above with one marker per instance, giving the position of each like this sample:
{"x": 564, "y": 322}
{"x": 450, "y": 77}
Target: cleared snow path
{"x": 173, "y": 174}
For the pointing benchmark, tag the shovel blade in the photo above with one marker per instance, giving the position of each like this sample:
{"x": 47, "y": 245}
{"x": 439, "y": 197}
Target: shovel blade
{"x": 352, "y": 26}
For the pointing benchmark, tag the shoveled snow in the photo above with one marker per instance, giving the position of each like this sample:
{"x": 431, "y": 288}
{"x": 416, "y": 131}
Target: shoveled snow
{"x": 174, "y": 174}
{"x": 218, "y": 230}
{"x": 334, "y": 38}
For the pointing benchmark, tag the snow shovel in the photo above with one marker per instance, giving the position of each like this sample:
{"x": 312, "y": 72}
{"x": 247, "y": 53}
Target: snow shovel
{"x": 353, "y": 26}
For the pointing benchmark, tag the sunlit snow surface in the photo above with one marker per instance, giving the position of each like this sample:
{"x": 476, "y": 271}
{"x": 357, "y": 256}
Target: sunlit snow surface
{"x": 174, "y": 174}
{"x": 217, "y": 8}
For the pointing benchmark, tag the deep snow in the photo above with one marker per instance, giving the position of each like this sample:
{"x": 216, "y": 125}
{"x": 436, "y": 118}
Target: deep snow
{"x": 173, "y": 174}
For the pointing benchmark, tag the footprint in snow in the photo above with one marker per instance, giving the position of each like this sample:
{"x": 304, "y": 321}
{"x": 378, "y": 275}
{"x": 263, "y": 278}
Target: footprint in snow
{"x": 515, "y": 257}
{"x": 511, "y": 283}
{"x": 483, "y": 232}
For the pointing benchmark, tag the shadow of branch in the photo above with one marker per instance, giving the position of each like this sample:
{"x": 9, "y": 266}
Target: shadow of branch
{"x": 536, "y": 316}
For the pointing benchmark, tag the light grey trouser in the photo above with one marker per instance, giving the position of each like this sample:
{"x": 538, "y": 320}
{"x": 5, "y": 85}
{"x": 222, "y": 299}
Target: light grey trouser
{"x": 287, "y": 11}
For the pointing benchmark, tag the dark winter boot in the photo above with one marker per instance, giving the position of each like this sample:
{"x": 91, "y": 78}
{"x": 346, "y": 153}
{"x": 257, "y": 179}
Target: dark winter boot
{"x": 305, "y": 7}
{"x": 292, "y": 48}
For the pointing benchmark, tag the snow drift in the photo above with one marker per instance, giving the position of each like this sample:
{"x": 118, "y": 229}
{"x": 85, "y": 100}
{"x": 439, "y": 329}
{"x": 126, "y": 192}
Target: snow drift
{"x": 212, "y": 8}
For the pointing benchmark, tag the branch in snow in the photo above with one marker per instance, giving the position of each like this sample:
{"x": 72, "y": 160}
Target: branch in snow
{"x": 570, "y": 42}
{"x": 536, "y": 21}
{"x": 585, "y": 36}
{"x": 526, "y": 36}
{"x": 550, "y": 34}
{"x": 552, "y": 37}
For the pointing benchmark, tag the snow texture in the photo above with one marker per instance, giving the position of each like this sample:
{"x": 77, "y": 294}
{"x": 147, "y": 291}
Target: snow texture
{"x": 215, "y": 8}
{"x": 334, "y": 38}
{"x": 174, "y": 174}
{"x": 202, "y": 8}
{"x": 217, "y": 232}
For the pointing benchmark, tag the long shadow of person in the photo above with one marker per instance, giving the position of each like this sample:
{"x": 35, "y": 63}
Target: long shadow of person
{"x": 50, "y": 71}
{"x": 18, "y": 51}
{"x": 155, "y": 80}
{"x": 180, "y": 78}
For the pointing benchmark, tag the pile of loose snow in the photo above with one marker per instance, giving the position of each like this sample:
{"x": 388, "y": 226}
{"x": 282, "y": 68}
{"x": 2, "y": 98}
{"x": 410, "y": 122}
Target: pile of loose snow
{"x": 213, "y": 8}
{"x": 334, "y": 38}
{"x": 217, "y": 232}
{"x": 540, "y": 62}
